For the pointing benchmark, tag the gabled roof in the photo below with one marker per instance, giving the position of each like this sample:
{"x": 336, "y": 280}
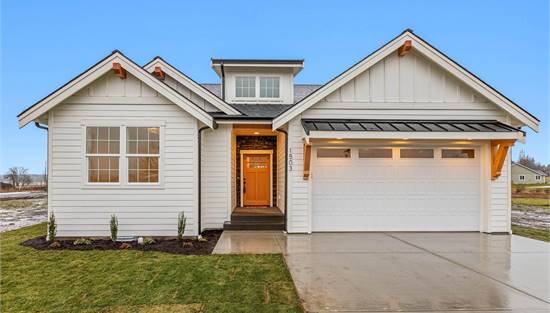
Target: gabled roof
{"x": 431, "y": 53}
{"x": 530, "y": 169}
{"x": 99, "y": 69}
{"x": 191, "y": 84}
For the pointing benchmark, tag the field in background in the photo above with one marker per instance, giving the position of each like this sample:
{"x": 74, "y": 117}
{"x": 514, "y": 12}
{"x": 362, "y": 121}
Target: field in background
{"x": 531, "y": 211}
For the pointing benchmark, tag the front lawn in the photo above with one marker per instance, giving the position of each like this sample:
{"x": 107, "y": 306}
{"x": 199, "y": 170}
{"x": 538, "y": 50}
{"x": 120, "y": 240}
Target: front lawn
{"x": 531, "y": 201}
{"x": 135, "y": 281}
{"x": 533, "y": 233}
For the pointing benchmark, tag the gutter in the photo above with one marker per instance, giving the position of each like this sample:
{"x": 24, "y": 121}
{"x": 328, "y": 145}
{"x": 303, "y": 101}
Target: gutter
{"x": 286, "y": 177}
{"x": 40, "y": 126}
{"x": 223, "y": 80}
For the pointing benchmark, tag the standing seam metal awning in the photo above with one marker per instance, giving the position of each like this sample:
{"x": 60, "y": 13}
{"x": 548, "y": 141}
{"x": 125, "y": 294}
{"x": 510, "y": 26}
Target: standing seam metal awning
{"x": 441, "y": 126}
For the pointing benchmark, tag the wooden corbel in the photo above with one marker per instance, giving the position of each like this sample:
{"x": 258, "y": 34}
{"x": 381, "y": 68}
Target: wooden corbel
{"x": 499, "y": 151}
{"x": 405, "y": 48}
{"x": 307, "y": 161}
{"x": 119, "y": 71}
{"x": 159, "y": 73}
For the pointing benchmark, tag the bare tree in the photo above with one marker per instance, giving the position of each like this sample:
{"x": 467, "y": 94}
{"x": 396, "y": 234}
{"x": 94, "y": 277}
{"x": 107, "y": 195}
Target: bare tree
{"x": 530, "y": 162}
{"x": 18, "y": 176}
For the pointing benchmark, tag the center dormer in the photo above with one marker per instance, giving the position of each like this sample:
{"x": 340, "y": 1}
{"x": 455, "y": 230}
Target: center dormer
{"x": 257, "y": 80}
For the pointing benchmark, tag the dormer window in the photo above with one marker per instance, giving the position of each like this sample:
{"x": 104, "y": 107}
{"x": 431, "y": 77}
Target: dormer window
{"x": 245, "y": 87}
{"x": 269, "y": 87}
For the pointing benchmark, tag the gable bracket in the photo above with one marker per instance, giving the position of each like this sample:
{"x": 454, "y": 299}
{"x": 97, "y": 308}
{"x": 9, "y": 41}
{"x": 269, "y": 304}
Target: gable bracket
{"x": 159, "y": 73}
{"x": 405, "y": 48}
{"x": 499, "y": 151}
{"x": 307, "y": 161}
{"x": 119, "y": 71}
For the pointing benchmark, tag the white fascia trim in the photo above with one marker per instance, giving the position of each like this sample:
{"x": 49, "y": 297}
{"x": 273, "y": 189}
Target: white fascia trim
{"x": 413, "y": 135}
{"x": 193, "y": 86}
{"x": 100, "y": 69}
{"x": 430, "y": 53}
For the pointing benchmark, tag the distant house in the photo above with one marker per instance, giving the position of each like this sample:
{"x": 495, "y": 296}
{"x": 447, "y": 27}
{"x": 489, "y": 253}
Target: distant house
{"x": 522, "y": 174}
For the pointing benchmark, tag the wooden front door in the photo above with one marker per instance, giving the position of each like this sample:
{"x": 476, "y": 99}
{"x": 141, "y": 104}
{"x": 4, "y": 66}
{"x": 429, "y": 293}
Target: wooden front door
{"x": 256, "y": 179}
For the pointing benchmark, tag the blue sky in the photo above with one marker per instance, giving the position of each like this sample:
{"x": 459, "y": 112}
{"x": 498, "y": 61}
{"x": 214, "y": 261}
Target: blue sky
{"x": 47, "y": 43}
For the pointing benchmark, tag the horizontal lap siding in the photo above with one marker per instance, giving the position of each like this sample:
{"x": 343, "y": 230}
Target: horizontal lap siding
{"x": 281, "y": 171}
{"x": 216, "y": 166}
{"x": 298, "y": 198}
{"x": 148, "y": 211}
{"x": 500, "y": 200}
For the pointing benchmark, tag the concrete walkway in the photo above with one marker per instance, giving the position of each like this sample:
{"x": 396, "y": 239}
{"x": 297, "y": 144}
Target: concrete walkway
{"x": 408, "y": 272}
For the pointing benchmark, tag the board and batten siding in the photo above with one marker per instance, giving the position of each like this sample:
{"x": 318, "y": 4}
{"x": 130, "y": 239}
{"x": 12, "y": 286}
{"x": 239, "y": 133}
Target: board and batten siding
{"x": 216, "y": 176}
{"x": 409, "y": 87}
{"x": 82, "y": 209}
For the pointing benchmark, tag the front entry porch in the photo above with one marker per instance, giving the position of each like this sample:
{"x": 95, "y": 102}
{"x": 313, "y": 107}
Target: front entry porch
{"x": 256, "y": 218}
{"x": 258, "y": 178}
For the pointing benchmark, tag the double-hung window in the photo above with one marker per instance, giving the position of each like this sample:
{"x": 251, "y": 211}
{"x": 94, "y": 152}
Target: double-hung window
{"x": 142, "y": 153}
{"x": 269, "y": 87}
{"x": 103, "y": 154}
{"x": 245, "y": 87}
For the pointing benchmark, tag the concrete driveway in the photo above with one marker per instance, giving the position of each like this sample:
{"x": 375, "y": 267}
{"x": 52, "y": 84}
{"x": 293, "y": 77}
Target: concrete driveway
{"x": 409, "y": 272}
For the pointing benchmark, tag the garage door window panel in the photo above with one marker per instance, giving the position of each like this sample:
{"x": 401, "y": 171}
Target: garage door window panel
{"x": 333, "y": 153}
{"x": 457, "y": 153}
{"x": 416, "y": 153}
{"x": 375, "y": 153}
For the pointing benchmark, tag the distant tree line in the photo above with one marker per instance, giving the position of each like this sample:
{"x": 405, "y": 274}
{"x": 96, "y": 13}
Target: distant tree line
{"x": 18, "y": 178}
{"x": 530, "y": 162}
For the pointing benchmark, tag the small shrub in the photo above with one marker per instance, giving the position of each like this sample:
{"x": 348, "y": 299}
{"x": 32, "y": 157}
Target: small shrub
{"x": 114, "y": 227}
{"x": 55, "y": 245}
{"x": 148, "y": 241}
{"x": 125, "y": 246}
{"x": 187, "y": 244}
{"x": 82, "y": 242}
{"x": 52, "y": 228}
{"x": 182, "y": 221}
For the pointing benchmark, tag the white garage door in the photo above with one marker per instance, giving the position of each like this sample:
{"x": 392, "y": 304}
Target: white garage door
{"x": 395, "y": 189}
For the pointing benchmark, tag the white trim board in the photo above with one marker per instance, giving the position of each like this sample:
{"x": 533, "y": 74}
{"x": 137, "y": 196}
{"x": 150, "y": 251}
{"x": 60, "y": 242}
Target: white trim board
{"x": 270, "y": 152}
{"x": 96, "y": 72}
{"x": 191, "y": 84}
{"x": 431, "y": 53}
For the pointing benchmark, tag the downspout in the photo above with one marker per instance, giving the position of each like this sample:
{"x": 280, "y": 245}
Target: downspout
{"x": 223, "y": 80}
{"x": 286, "y": 177}
{"x": 40, "y": 126}
{"x": 199, "y": 179}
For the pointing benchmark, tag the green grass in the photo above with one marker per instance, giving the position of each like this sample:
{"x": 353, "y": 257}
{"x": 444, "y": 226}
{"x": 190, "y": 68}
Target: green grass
{"x": 533, "y": 233}
{"x": 15, "y": 204}
{"x": 531, "y": 201}
{"x": 134, "y": 281}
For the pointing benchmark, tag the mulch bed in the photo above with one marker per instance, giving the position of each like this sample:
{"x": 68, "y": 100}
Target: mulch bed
{"x": 187, "y": 246}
